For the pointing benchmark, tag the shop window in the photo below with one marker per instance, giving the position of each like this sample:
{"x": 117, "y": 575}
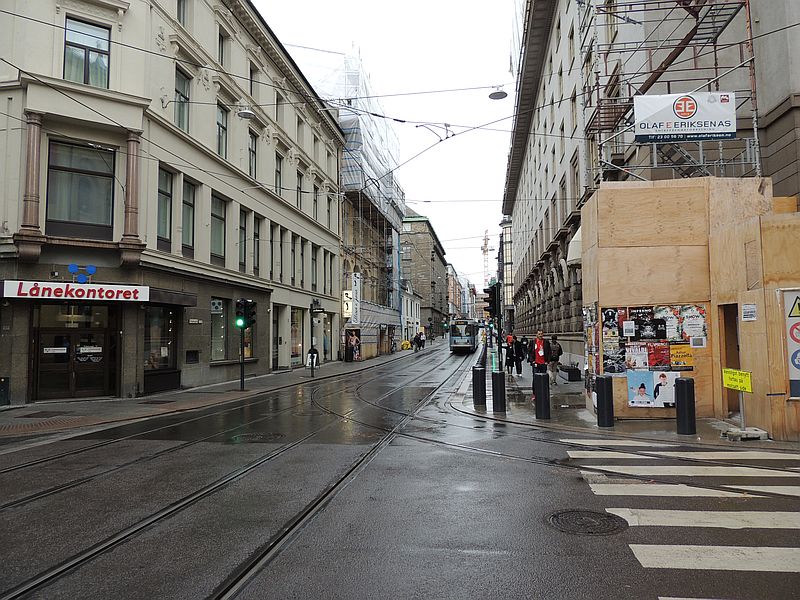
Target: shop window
{"x": 219, "y": 329}
{"x": 297, "y": 337}
{"x": 86, "y": 53}
{"x": 80, "y": 191}
{"x": 160, "y": 338}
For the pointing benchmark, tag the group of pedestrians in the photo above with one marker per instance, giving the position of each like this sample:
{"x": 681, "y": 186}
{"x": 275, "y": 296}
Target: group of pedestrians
{"x": 543, "y": 355}
{"x": 418, "y": 342}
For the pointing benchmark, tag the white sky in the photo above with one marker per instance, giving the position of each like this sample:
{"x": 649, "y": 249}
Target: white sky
{"x": 421, "y": 46}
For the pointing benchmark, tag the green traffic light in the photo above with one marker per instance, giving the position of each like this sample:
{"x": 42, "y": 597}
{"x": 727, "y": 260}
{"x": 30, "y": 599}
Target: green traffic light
{"x": 239, "y": 322}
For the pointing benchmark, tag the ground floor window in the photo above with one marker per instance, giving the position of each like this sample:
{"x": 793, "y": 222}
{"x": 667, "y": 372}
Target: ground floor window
{"x": 297, "y": 337}
{"x": 160, "y": 338}
{"x": 219, "y": 329}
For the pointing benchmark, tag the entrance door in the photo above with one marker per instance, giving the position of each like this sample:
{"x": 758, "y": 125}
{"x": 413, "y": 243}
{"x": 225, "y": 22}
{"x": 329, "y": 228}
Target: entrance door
{"x": 72, "y": 364}
{"x": 274, "y": 340}
{"x": 729, "y": 352}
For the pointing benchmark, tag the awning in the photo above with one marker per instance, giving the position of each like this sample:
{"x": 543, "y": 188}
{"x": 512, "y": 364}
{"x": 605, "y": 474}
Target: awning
{"x": 574, "y": 250}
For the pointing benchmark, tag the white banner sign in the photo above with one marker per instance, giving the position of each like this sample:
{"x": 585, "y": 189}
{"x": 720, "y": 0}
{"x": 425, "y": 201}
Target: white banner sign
{"x": 684, "y": 117}
{"x": 347, "y": 304}
{"x": 355, "y": 318}
{"x": 39, "y": 290}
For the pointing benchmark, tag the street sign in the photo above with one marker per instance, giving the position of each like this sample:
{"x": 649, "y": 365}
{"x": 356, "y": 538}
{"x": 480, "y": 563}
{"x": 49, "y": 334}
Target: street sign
{"x": 734, "y": 379}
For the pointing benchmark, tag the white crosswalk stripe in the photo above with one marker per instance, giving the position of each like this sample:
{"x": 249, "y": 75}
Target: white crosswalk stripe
{"x": 692, "y": 485}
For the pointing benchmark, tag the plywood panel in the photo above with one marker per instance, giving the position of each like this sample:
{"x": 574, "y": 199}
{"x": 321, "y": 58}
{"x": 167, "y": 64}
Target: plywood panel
{"x": 589, "y": 222}
{"x": 653, "y": 275}
{"x": 733, "y": 200}
{"x": 589, "y": 283}
{"x": 779, "y": 243}
{"x": 785, "y": 204}
{"x": 662, "y": 216}
{"x": 728, "y": 261}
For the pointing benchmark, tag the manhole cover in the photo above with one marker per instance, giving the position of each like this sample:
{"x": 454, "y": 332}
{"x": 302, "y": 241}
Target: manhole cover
{"x": 44, "y": 414}
{"x": 587, "y": 522}
{"x": 244, "y": 438}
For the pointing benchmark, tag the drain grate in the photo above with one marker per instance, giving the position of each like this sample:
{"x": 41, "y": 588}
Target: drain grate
{"x": 44, "y": 414}
{"x": 587, "y": 522}
{"x": 249, "y": 438}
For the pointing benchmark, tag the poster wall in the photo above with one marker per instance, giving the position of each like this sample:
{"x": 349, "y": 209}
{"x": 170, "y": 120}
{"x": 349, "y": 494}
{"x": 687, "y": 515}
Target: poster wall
{"x": 649, "y": 345}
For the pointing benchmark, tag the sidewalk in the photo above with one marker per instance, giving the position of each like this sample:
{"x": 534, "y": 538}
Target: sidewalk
{"x": 19, "y": 421}
{"x": 569, "y": 413}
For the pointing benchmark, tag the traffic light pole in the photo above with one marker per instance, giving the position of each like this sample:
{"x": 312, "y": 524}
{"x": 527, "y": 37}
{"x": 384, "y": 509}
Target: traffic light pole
{"x": 241, "y": 360}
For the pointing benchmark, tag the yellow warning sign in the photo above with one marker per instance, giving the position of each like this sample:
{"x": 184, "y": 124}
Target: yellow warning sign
{"x": 737, "y": 380}
{"x": 794, "y": 312}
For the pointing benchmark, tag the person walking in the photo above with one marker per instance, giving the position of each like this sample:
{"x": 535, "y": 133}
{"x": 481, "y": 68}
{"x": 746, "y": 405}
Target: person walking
{"x": 519, "y": 354}
{"x": 555, "y": 354}
{"x": 415, "y": 342}
{"x": 539, "y": 353}
{"x": 422, "y": 339}
{"x": 510, "y": 360}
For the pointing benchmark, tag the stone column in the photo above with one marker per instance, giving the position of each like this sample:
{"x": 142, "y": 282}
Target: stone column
{"x": 29, "y": 240}
{"x": 131, "y": 246}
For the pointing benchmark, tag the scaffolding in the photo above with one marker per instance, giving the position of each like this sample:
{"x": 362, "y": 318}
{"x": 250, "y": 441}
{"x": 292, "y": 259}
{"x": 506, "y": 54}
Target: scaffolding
{"x": 632, "y": 48}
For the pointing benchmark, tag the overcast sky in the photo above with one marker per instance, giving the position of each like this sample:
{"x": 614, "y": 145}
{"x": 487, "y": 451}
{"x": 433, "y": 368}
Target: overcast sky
{"x": 425, "y": 46}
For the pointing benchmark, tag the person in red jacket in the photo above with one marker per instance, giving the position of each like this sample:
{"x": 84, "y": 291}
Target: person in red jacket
{"x": 539, "y": 353}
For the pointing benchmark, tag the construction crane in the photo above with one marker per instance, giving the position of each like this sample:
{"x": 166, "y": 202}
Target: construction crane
{"x": 486, "y": 249}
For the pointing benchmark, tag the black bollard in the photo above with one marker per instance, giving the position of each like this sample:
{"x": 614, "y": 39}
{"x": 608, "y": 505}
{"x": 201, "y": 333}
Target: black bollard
{"x": 478, "y": 386}
{"x": 605, "y": 400}
{"x": 541, "y": 389}
{"x": 684, "y": 406}
{"x": 498, "y": 391}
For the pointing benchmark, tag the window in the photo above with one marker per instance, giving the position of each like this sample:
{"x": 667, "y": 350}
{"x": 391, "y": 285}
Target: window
{"x": 242, "y": 240}
{"x": 280, "y": 105}
{"x": 252, "y": 149}
{"x": 86, "y": 53}
{"x": 314, "y": 251}
{"x": 182, "y": 83}
{"x": 80, "y": 191}
{"x": 217, "y": 231}
{"x": 160, "y": 338}
{"x": 278, "y": 174}
{"x": 302, "y": 264}
{"x": 571, "y": 46}
{"x": 253, "y": 79}
{"x": 219, "y": 329}
{"x": 300, "y": 190}
{"x": 256, "y": 245}
{"x": 293, "y": 257}
{"x": 222, "y": 46}
{"x": 222, "y": 131}
{"x": 315, "y": 208}
{"x": 188, "y": 219}
{"x": 329, "y": 211}
{"x": 271, "y": 252}
{"x": 611, "y": 20}
{"x": 300, "y": 132}
{"x": 164, "y": 227}
{"x": 182, "y": 14}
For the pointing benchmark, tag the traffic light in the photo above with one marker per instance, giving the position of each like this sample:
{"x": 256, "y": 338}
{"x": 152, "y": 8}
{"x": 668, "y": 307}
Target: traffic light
{"x": 240, "y": 318}
{"x": 245, "y": 313}
{"x": 491, "y": 300}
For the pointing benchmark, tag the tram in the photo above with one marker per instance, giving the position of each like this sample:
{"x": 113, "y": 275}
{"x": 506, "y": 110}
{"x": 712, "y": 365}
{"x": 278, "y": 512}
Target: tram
{"x": 463, "y": 335}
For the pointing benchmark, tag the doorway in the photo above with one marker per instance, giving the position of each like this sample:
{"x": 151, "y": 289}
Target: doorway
{"x": 72, "y": 364}
{"x": 274, "y": 340}
{"x": 729, "y": 353}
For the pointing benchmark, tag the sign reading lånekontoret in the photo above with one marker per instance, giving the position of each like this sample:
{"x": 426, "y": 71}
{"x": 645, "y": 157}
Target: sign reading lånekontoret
{"x": 734, "y": 379}
{"x": 685, "y": 117}
{"x": 46, "y": 290}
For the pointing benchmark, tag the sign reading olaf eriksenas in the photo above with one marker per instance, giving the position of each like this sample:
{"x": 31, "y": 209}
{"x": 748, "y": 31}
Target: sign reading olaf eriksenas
{"x": 685, "y": 117}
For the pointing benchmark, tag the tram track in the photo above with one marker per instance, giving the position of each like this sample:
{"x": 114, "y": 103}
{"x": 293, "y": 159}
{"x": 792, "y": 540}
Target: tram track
{"x": 49, "y": 576}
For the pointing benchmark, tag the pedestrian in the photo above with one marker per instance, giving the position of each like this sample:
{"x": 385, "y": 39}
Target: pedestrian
{"x": 415, "y": 342}
{"x": 510, "y": 360}
{"x": 422, "y": 339}
{"x": 519, "y": 353}
{"x": 555, "y": 354}
{"x": 539, "y": 353}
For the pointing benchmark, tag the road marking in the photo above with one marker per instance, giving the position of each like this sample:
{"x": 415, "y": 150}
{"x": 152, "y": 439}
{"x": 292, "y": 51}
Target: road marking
{"x": 604, "y": 454}
{"x": 662, "y": 490}
{"x": 694, "y": 471}
{"x": 785, "y": 490}
{"x": 739, "y": 519}
{"x": 719, "y": 558}
{"x": 732, "y": 455}
{"x": 632, "y": 443}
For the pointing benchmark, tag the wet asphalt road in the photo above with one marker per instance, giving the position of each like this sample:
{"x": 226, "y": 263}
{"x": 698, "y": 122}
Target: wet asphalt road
{"x": 332, "y": 490}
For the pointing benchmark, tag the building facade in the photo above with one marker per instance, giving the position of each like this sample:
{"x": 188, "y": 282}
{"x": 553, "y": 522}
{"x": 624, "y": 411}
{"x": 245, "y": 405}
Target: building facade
{"x": 423, "y": 263}
{"x": 161, "y": 160}
{"x": 411, "y": 310}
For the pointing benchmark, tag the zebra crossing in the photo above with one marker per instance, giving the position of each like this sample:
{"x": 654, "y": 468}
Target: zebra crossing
{"x": 657, "y": 485}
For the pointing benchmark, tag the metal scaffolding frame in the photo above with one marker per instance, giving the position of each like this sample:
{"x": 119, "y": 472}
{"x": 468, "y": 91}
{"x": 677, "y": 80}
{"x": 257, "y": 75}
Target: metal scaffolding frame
{"x": 635, "y": 47}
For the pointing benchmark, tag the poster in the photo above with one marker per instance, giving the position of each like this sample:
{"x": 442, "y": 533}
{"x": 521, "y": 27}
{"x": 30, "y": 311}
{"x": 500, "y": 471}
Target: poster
{"x": 640, "y": 389}
{"x": 613, "y": 357}
{"x": 622, "y": 316}
{"x": 681, "y": 357}
{"x": 636, "y": 355}
{"x": 654, "y": 329}
{"x": 658, "y": 356}
{"x": 629, "y": 328}
{"x": 664, "y": 389}
{"x": 693, "y": 321}
{"x": 641, "y": 313}
{"x": 672, "y": 319}
{"x": 610, "y": 323}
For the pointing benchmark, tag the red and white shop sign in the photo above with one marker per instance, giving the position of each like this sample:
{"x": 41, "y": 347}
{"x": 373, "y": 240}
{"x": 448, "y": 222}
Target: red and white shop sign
{"x": 47, "y": 290}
